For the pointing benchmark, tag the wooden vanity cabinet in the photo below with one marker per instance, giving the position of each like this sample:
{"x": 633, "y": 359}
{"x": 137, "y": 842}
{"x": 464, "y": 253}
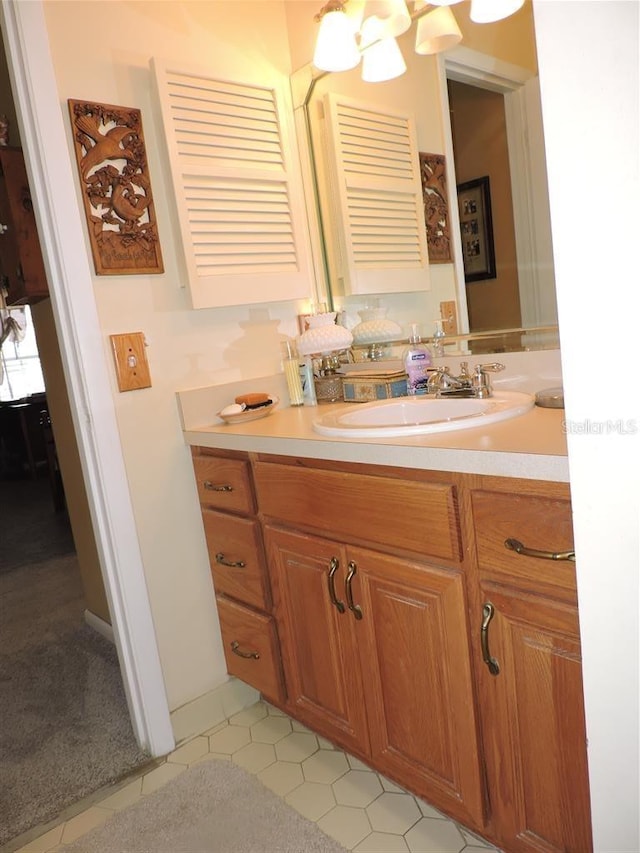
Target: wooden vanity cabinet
{"x": 532, "y": 709}
{"x": 403, "y": 628}
{"x": 375, "y": 643}
{"x": 238, "y": 570}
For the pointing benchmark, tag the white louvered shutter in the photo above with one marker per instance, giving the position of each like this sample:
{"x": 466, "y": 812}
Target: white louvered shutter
{"x": 373, "y": 160}
{"x": 237, "y": 187}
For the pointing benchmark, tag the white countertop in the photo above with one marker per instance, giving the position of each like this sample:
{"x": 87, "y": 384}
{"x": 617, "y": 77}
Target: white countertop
{"x": 532, "y": 446}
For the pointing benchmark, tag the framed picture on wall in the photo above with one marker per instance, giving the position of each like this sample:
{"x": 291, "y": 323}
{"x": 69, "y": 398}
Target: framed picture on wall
{"x": 476, "y": 227}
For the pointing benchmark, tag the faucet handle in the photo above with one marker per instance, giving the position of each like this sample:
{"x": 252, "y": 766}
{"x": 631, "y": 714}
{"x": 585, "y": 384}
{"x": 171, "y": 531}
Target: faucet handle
{"x": 492, "y": 367}
{"x": 481, "y": 379}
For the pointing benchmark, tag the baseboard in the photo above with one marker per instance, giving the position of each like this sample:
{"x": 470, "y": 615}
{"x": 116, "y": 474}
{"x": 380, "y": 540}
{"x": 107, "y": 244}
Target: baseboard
{"x": 99, "y": 625}
{"x": 205, "y": 712}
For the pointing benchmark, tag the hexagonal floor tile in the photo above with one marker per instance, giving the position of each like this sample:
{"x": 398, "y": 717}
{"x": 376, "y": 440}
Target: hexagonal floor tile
{"x": 325, "y": 766}
{"x": 271, "y": 729}
{"x": 357, "y": 788}
{"x": 249, "y": 716}
{"x": 296, "y": 747}
{"x": 382, "y": 842}
{"x": 394, "y": 813}
{"x": 434, "y": 836}
{"x": 230, "y": 739}
{"x": 281, "y": 777}
{"x": 311, "y": 800}
{"x": 347, "y": 825}
{"x": 254, "y": 757}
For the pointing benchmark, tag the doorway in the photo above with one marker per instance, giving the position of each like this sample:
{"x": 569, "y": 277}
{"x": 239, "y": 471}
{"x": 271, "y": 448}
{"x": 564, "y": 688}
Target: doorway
{"x": 74, "y": 311}
{"x": 514, "y": 94}
{"x": 67, "y": 729}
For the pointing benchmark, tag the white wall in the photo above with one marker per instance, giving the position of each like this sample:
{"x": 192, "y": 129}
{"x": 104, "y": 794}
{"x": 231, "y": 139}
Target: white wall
{"x": 101, "y": 52}
{"x": 588, "y": 60}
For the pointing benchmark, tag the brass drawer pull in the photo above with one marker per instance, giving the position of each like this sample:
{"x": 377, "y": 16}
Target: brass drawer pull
{"x": 354, "y": 608}
{"x": 519, "y": 548}
{"x": 213, "y": 487}
{"x": 334, "y": 564}
{"x": 235, "y": 648}
{"x": 238, "y": 564}
{"x": 487, "y": 616}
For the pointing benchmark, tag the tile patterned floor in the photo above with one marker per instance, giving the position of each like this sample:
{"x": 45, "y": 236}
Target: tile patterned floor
{"x": 361, "y": 809}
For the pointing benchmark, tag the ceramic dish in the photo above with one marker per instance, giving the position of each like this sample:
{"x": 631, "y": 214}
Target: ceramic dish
{"x": 250, "y": 414}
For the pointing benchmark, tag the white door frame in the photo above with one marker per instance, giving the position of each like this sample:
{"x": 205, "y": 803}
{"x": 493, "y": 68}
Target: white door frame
{"x": 60, "y": 227}
{"x": 525, "y": 141}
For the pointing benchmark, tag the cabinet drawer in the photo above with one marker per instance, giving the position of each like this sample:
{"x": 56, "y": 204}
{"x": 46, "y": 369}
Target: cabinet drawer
{"x": 224, "y": 483}
{"x": 411, "y": 515}
{"x": 251, "y": 648}
{"x": 231, "y": 539}
{"x": 539, "y": 523}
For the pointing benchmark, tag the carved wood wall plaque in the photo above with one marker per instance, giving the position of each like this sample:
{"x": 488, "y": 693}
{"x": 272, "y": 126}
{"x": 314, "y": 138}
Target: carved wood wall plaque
{"x": 116, "y": 188}
{"x": 436, "y": 208}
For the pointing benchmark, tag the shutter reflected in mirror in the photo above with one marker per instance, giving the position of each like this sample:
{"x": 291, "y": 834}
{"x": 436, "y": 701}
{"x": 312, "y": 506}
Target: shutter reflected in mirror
{"x": 373, "y": 168}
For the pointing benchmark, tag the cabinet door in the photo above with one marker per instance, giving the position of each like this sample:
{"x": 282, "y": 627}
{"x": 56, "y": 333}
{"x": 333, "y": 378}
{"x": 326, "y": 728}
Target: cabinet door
{"x": 317, "y": 636}
{"x": 416, "y": 666}
{"x": 534, "y": 726}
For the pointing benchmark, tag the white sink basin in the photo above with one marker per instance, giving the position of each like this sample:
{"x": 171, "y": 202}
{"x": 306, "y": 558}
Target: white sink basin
{"x": 420, "y": 415}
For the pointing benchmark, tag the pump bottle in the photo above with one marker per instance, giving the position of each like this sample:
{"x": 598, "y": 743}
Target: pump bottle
{"x": 417, "y": 361}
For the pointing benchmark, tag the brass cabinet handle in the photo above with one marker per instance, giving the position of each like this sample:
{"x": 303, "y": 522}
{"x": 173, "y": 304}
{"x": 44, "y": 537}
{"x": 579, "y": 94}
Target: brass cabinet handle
{"x": 235, "y": 648}
{"x": 238, "y": 564}
{"x": 214, "y": 487}
{"x": 519, "y": 548}
{"x": 334, "y": 564}
{"x": 354, "y": 608}
{"x": 487, "y": 615}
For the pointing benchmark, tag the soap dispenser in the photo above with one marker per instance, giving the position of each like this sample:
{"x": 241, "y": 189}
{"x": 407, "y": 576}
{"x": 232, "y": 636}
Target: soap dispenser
{"x": 417, "y": 361}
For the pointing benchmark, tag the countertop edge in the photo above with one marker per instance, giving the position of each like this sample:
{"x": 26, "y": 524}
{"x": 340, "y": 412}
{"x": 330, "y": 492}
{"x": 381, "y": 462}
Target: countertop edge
{"x": 497, "y": 463}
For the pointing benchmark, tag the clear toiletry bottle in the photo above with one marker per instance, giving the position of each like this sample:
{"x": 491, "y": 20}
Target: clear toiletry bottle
{"x": 437, "y": 347}
{"x": 417, "y": 361}
{"x": 291, "y": 367}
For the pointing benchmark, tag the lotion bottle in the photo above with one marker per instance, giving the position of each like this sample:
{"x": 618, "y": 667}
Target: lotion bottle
{"x": 417, "y": 361}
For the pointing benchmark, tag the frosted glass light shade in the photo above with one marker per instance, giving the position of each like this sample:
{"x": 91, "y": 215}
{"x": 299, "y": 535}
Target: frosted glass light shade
{"x": 381, "y": 57}
{"x": 487, "y": 11}
{"x": 392, "y": 15}
{"x": 336, "y": 48}
{"x": 421, "y": 3}
{"x": 323, "y": 336}
{"x": 375, "y": 327}
{"x": 437, "y": 31}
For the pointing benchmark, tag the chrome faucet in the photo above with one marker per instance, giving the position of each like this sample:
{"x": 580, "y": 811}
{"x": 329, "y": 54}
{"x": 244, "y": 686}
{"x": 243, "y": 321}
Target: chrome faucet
{"x": 476, "y": 384}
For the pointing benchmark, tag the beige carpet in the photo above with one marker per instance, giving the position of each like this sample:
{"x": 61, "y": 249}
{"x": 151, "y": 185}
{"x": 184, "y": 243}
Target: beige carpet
{"x": 214, "y": 807}
{"x": 65, "y": 730}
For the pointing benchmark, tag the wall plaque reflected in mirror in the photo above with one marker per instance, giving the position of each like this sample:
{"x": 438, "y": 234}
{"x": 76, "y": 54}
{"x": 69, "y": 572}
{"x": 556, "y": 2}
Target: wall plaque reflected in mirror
{"x": 476, "y": 227}
{"x": 436, "y": 210}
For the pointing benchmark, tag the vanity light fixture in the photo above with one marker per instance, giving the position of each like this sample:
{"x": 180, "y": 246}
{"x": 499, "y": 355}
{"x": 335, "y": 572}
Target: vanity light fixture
{"x": 336, "y": 48}
{"x": 436, "y": 31}
{"x": 488, "y": 11}
{"x": 381, "y": 56}
{"x": 354, "y": 29}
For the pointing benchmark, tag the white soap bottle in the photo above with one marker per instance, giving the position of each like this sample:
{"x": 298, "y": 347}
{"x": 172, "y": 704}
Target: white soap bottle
{"x": 417, "y": 361}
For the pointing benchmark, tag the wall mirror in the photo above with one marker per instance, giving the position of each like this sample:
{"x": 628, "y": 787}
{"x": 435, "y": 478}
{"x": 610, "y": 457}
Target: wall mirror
{"x": 477, "y": 105}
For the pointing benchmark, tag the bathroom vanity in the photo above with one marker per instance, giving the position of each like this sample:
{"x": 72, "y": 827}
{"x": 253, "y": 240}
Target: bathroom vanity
{"x": 380, "y": 606}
